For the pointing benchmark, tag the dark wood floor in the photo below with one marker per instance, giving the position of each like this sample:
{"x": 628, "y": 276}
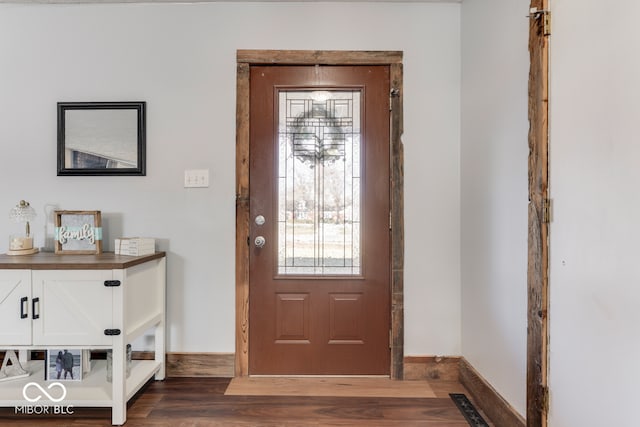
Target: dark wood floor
{"x": 200, "y": 402}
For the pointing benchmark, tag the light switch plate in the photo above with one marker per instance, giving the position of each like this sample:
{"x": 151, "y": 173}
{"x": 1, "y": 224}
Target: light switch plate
{"x": 194, "y": 178}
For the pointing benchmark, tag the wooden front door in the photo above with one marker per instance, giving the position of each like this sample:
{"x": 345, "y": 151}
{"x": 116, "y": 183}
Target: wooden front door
{"x": 319, "y": 273}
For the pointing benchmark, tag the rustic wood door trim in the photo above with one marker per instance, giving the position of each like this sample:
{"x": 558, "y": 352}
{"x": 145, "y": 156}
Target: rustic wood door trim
{"x": 246, "y": 58}
{"x": 538, "y": 251}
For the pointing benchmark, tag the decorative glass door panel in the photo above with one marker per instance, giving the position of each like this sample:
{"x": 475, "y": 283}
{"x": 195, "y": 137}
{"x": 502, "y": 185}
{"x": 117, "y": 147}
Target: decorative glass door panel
{"x": 319, "y": 175}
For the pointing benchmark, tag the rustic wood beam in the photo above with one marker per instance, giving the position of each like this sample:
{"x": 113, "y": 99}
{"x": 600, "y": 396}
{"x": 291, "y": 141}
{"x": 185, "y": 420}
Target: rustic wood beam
{"x": 538, "y": 255}
{"x": 242, "y": 221}
{"x": 318, "y": 57}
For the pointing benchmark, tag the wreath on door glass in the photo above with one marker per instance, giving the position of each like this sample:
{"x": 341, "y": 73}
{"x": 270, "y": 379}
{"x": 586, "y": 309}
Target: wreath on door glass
{"x": 317, "y": 136}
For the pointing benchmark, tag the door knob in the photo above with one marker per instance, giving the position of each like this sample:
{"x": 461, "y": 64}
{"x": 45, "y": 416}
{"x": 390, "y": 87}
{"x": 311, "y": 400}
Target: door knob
{"x": 259, "y": 241}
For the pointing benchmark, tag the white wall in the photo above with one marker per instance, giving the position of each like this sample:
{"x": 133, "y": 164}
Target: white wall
{"x": 595, "y": 229}
{"x": 495, "y": 66}
{"x": 181, "y": 60}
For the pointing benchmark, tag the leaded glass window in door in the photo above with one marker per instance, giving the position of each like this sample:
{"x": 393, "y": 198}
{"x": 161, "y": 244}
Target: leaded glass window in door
{"x": 319, "y": 165}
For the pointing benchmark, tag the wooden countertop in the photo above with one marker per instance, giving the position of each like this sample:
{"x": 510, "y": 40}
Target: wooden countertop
{"x": 52, "y": 261}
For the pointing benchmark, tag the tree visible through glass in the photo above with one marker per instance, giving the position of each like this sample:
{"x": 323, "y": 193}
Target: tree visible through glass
{"x": 319, "y": 182}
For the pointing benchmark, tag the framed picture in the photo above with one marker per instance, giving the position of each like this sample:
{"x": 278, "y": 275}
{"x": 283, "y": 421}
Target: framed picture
{"x": 63, "y": 365}
{"x": 101, "y": 138}
{"x": 78, "y": 232}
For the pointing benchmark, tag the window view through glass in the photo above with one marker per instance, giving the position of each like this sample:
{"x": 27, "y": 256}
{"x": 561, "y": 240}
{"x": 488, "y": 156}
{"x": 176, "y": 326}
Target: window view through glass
{"x": 319, "y": 182}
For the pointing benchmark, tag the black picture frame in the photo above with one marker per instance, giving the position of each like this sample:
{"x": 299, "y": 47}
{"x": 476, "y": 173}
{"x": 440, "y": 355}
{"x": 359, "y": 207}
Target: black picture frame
{"x": 56, "y": 368}
{"x": 102, "y": 138}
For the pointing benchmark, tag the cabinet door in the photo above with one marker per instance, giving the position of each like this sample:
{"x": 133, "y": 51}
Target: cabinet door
{"x": 15, "y": 307}
{"x": 75, "y": 307}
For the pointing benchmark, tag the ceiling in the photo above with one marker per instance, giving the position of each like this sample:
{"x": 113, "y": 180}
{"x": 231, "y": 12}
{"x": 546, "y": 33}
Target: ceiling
{"x": 221, "y": 1}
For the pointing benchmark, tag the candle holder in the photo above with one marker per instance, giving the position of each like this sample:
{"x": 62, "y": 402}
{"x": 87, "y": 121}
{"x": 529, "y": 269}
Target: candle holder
{"x": 19, "y": 243}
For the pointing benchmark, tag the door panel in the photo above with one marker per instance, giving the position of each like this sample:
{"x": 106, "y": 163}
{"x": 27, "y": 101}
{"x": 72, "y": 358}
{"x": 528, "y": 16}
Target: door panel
{"x": 346, "y": 313}
{"x": 75, "y": 307}
{"x": 15, "y": 307}
{"x": 319, "y": 199}
{"x": 292, "y": 318}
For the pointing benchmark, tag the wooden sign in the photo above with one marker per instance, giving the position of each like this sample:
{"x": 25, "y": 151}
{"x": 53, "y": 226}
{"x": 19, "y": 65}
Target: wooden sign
{"x": 78, "y": 232}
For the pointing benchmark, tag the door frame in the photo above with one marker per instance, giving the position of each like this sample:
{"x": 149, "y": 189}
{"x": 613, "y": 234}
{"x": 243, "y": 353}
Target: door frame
{"x": 245, "y": 59}
{"x": 538, "y": 217}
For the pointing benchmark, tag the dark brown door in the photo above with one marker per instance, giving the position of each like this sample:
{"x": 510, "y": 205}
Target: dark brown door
{"x": 319, "y": 220}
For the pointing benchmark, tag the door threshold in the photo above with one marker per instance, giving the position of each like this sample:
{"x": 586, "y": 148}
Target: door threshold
{"x": 317, "y": 376}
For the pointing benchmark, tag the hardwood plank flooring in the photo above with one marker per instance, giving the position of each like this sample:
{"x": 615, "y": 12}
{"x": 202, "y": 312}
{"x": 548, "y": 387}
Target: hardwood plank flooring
{"x": 201, "y": 402}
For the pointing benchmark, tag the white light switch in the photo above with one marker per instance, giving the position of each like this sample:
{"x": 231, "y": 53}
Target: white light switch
{"x": 196, "y": 178}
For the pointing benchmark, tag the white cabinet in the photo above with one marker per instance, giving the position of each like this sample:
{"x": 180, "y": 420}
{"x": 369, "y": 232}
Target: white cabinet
{"x": 101, "y": 301}
{"x": 43, "y": 307}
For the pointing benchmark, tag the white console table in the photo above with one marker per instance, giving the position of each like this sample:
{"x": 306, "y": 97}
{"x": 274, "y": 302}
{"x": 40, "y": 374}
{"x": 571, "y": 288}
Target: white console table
{"x": 98, "y": 302}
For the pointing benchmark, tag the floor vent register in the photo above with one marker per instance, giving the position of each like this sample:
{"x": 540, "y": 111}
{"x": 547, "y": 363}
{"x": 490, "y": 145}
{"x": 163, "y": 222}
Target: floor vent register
{"x": 468, "y": 410}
